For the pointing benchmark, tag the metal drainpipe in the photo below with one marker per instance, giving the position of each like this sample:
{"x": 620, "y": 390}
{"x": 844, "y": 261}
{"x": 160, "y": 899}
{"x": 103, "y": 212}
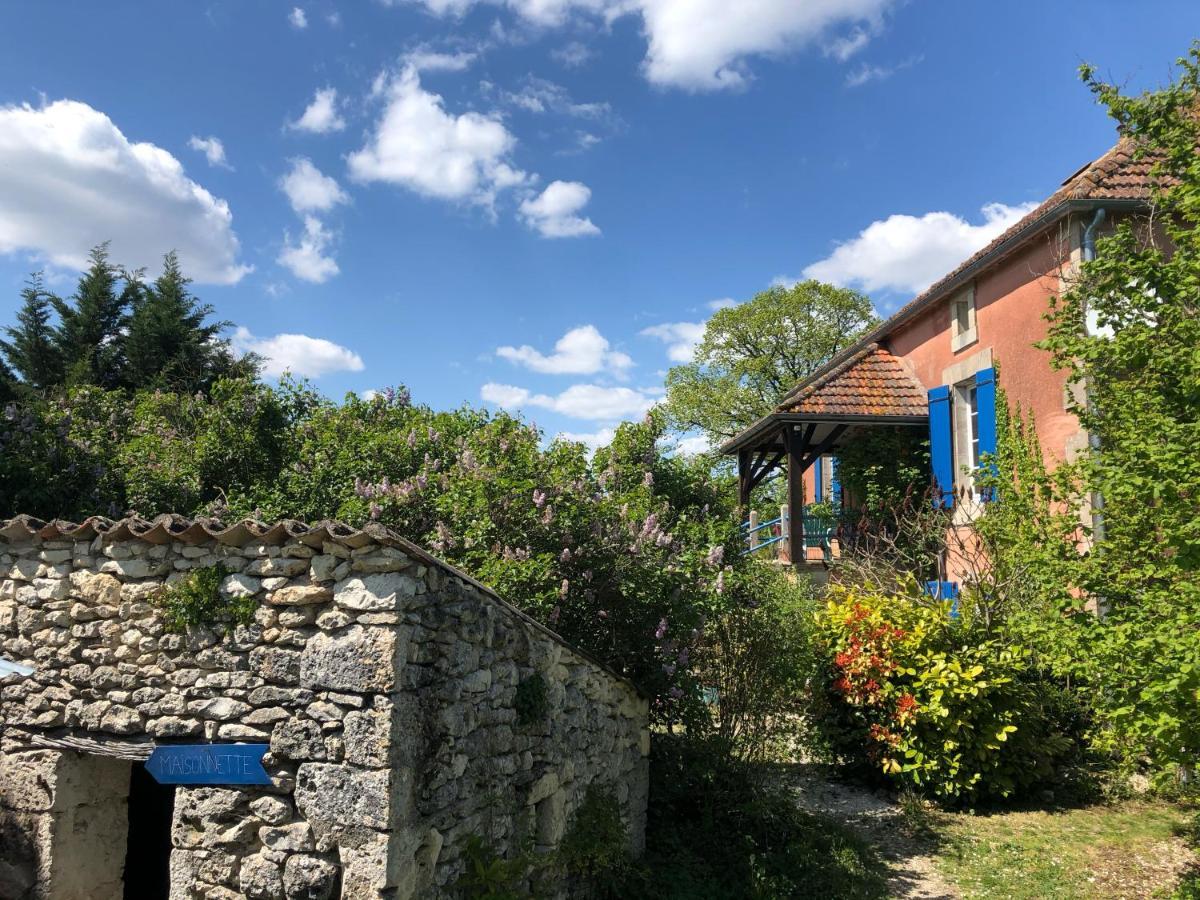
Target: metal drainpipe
{"x": 1089, "y": 254}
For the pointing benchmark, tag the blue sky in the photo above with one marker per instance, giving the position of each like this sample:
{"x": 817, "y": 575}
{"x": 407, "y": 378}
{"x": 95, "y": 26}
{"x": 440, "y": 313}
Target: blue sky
{"x": 536, "y": 203}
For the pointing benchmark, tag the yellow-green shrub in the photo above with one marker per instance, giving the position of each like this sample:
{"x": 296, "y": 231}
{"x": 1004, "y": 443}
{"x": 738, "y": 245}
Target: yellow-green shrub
{"x": 926, "y": 699}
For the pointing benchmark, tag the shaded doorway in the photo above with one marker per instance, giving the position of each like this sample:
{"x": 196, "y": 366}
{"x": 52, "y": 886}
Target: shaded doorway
{"x": 148, "y": 855}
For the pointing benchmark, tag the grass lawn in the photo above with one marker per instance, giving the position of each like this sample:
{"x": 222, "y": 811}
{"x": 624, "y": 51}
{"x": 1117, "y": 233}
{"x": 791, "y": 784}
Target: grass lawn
{"x": 1125, "y": 850}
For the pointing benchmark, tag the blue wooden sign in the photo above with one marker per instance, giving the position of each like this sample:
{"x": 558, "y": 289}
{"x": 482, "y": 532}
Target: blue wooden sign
{"x": 208, "y": 764}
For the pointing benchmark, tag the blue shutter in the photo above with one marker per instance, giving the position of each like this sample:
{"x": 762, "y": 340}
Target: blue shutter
{"x": 941, "y": 447}
{"x": 835, "y": 486}
{"x": 944, "y": 590}
{"x": 818, "y": 481}
{"x": 985, "y": 406}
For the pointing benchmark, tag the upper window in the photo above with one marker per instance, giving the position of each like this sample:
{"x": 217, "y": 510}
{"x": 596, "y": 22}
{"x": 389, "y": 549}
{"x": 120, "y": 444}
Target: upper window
{"x": 962, "y": 319}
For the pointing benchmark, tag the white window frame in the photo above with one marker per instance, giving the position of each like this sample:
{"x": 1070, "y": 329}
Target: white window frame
{"x": 961, "y": 336}
{"x": 964, "y": 412}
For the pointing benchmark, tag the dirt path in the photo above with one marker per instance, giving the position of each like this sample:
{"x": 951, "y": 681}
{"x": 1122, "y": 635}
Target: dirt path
{"x": 879, "y": 822}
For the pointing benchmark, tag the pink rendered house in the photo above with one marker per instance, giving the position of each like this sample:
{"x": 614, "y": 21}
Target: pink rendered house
{"x": 933, "y": 365}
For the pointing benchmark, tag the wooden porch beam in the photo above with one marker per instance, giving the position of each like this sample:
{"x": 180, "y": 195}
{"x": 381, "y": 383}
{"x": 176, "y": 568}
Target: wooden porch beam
{"x": 795, "y": 446}
{"x": 823, "y": 446}
{"x": 757, "y": 476}
{"x": 744, "y": 485}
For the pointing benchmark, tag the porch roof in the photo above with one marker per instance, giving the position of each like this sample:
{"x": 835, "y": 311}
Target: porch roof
{"x": 868, "y": 387}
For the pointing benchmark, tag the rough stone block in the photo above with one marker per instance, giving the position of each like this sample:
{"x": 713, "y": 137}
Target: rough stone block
{"x": 358, "y": 659}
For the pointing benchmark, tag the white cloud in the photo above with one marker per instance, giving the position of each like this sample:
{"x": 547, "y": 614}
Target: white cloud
{"x": 213, "y": 150}
{"x": 681, "y": 338}
{"x": 297, "y": 18}
{"x": 70, "y": 179}
{"x": 845, "y": 46}
{"x": 909, "y": 253}
{"x": 581, "y": 351}
{"x": 299, "y": 354}
{"x": 723, "y": 303}
{"x": 579, "y": 401}
{"x": 593, "y": 440}
{"x": 538, "y": 95}
{"x": 307, "y": 258}
{"x": 554, "y": 213}
{"x": 572, "y": 55}
{"x": 417, "y": 144}
{"x": 309, "y": 190}
{"x": 321, "y": 115}
{"x": 705, "y": 44}
{"x": 693, "y": 446}
{"x": 423, "y": 59}
{"x": 867, "y": 73}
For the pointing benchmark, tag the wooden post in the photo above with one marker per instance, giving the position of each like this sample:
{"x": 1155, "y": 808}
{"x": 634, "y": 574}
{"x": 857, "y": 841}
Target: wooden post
{"x": 795, "y": 496}
{"x": 743, "y": 481}
{"x": 785, "y": 552}
{"x": 753, "y": 529}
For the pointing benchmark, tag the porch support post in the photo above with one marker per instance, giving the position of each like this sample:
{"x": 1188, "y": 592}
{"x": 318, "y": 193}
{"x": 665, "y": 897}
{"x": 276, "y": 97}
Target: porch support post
{"x": 796, "y": 445}
{"x": 743, "y": 481}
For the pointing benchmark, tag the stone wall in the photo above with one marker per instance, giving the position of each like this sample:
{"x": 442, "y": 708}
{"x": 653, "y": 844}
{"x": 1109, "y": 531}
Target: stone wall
{"x": 384, "y": 681}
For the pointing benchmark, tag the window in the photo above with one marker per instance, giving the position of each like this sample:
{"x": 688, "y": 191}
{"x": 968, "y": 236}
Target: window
{"x": 963, "y": 332}
{"x": 966, "y": 431}
{"x": 973, "y": 424}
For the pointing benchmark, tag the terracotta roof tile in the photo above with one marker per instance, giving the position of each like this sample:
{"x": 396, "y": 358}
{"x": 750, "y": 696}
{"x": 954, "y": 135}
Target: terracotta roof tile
{"x": 872, "y": 382}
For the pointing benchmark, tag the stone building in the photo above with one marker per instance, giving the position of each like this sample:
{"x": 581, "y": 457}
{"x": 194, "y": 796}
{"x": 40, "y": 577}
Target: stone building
{"x": 406, "y": 707}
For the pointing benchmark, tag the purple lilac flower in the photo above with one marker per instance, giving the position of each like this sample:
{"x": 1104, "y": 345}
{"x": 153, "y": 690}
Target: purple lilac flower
{"x": 660, "y": 630}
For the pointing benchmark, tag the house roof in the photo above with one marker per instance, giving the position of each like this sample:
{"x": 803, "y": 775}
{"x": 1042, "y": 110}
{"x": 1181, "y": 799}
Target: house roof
{"x": 871, "y": 382}
{"x": 1121, "y": 178}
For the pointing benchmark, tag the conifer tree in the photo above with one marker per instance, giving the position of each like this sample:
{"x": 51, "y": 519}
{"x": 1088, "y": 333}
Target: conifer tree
{"x": 169, "y": 343}
{"x": 31, "y": 349}
{"x": 90, "y": 325}
{"x": 8, "y": 384}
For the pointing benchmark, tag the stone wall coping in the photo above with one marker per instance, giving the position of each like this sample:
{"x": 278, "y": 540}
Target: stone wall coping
{"x": 168, "y": 527}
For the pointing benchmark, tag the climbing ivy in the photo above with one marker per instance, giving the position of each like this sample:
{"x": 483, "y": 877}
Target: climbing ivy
{"x": 196, "y": 600}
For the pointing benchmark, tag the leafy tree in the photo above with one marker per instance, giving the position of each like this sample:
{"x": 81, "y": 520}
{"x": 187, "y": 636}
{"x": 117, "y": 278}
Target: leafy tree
{"x": 1142, "y": 378}
{"x": 30, "y": 348}
{"x": 169, "y": 344}
{"x": 754, "y": 353}
{"x": 89, "y": 331}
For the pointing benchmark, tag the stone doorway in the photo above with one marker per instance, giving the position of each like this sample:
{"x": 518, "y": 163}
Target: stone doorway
{"x": 148, "y": 846}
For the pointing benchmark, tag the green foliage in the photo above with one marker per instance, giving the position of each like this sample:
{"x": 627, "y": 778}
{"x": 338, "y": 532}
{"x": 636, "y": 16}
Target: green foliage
{"x": 930, "y": 701}
{"x": 31, "y": 349}
{"x": 882, "y": 466}
{"x": 91, "y": 323}
{"x": 195, "y": 600}
{"x": 531, "y": 703}
{"x": 490, "y": 876}
{"x": 596, "y": 845}
{"x": 621, "y": 554}
{"x": 185, "y": 452}
{"x": 116, "y": 331}
{"x": 1141, "y": 657}
{"x": 169, "y": 344}
{"x": 717, "y": 832}
{"x": 756, "y": 656}
{"x": 754, "y": 353}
